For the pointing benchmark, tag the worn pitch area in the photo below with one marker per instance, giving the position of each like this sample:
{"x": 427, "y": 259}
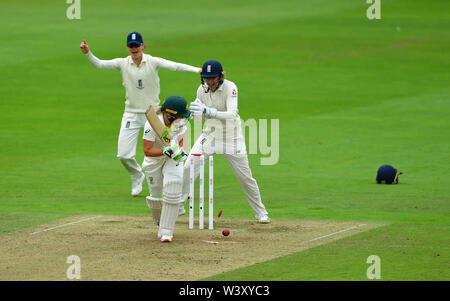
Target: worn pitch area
{"x": 127, "y": 247}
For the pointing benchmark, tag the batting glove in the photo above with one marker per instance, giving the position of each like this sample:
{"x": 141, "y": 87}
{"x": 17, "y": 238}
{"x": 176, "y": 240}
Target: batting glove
{"x": 175, "y": 152}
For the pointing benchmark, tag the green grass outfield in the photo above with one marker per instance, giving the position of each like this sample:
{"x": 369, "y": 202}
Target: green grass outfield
{"x": 351, "y": 94}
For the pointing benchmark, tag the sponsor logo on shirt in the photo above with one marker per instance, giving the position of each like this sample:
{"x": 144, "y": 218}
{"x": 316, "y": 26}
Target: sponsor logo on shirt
{"x": 234, "y": 93}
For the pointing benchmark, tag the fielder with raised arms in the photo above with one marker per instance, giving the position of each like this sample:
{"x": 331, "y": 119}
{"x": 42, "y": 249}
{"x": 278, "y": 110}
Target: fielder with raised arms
{"x": 217, "y": 101}
{"x": 163, "y": 165}
{"x": 141, "y": 81}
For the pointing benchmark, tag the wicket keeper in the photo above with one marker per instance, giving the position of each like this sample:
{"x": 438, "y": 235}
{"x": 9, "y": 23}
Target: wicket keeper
{"x": 217, "y": 102}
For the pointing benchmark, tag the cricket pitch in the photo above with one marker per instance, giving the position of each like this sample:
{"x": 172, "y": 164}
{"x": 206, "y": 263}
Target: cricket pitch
{"x": 127, "y": 247}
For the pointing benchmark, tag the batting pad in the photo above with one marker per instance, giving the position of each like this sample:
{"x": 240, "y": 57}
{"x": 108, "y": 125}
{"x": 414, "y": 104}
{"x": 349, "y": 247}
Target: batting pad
{"x": 155, "y": 206}
{"x": 169, "y": 213}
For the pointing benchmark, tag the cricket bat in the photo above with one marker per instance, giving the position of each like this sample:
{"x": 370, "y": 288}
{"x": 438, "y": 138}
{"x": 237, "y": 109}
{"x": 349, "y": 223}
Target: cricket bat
{"x": 159, "y": 127}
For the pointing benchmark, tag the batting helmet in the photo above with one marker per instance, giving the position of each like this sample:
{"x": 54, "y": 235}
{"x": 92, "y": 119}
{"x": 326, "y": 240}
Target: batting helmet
{"x": 387, "y": 175}
{"x": 211, "y": 69}
{"x": 176, "y": 105}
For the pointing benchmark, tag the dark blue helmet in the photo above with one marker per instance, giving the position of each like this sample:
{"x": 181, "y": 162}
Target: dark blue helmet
{"x": 387, "y": 175}
{"x": 212, "y": 69}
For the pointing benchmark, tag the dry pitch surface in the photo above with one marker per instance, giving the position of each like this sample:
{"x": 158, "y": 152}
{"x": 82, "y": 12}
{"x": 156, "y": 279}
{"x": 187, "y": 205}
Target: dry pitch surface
{"x": 126, "y": 247}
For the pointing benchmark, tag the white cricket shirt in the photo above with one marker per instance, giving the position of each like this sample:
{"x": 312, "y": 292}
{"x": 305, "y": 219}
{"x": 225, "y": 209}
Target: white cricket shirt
{"x": 227, "y": 124}
{"x": 141, "y": 83}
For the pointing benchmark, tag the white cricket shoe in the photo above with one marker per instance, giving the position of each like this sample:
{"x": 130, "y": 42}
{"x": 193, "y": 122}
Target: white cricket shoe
{"x": 136, "y": 186}
{"x": 264, "y": 219}
{"x": 166, "y": 238}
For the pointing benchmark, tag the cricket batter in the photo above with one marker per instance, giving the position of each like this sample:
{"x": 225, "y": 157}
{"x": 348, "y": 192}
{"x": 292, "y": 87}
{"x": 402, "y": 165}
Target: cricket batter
{"x": 217, "y": 102}
{"x": 141, "y": 81}
{"x": 163, "y": 166}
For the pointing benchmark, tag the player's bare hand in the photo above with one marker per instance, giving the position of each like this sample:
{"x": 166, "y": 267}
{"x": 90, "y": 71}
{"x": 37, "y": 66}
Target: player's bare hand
{"x": 84, "y": 47}
{"x": 199, "y": 71}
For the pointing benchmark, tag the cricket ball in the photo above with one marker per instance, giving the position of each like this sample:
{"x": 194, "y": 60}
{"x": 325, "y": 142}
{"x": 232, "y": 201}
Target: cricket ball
{"x": 225, "y": 232}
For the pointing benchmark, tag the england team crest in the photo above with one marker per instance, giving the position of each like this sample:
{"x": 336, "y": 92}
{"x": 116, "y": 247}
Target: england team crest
{"x": 139, "y": 84}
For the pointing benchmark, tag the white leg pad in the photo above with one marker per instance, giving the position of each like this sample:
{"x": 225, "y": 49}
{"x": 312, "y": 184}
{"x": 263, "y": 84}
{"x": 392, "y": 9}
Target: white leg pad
{"x": 170, "y": 205}
{"x": 155, "y": 205}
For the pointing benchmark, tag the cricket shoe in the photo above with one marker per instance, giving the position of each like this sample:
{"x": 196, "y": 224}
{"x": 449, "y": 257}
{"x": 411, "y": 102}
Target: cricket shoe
{"x": 166, "y": 238}
{"x": 264, "y": 219}
{"x": 136, "y": 187}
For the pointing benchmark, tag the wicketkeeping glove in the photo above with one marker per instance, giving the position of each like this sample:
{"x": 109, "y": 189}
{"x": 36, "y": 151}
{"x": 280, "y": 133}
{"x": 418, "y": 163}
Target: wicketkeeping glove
{"x": 199, "y": 108}
{"x": 174, "y": 152}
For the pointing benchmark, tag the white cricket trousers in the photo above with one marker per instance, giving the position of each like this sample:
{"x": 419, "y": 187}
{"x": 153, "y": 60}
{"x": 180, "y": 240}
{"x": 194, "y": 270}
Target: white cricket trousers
{"x": 131, "y": 125}
{"x": 240, "y": 166}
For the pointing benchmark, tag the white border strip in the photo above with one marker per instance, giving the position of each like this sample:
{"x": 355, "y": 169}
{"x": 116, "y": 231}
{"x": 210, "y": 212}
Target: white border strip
{"x": 68, "y": 224}
{"x": 216, "y": 242}
{"x": 331, "y": 234}
{"x": 211, "y": 242}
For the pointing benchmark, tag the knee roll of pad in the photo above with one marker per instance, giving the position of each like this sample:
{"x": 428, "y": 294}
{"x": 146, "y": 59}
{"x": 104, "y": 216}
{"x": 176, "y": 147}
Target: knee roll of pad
{"x": 172, "y": 193}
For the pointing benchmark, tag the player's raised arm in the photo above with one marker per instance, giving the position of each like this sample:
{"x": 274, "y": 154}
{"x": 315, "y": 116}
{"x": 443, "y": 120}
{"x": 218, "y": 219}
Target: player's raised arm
{"x": 84, "y": 47}
{"x": 96, "y": 62}
{"x": 174, "y": 66}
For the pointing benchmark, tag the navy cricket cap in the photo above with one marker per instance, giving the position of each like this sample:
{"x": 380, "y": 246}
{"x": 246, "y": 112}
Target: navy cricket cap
{"x": 211, "y": 69}
{"x": 387, "y": 174}
{"x": 134, "y": 38}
